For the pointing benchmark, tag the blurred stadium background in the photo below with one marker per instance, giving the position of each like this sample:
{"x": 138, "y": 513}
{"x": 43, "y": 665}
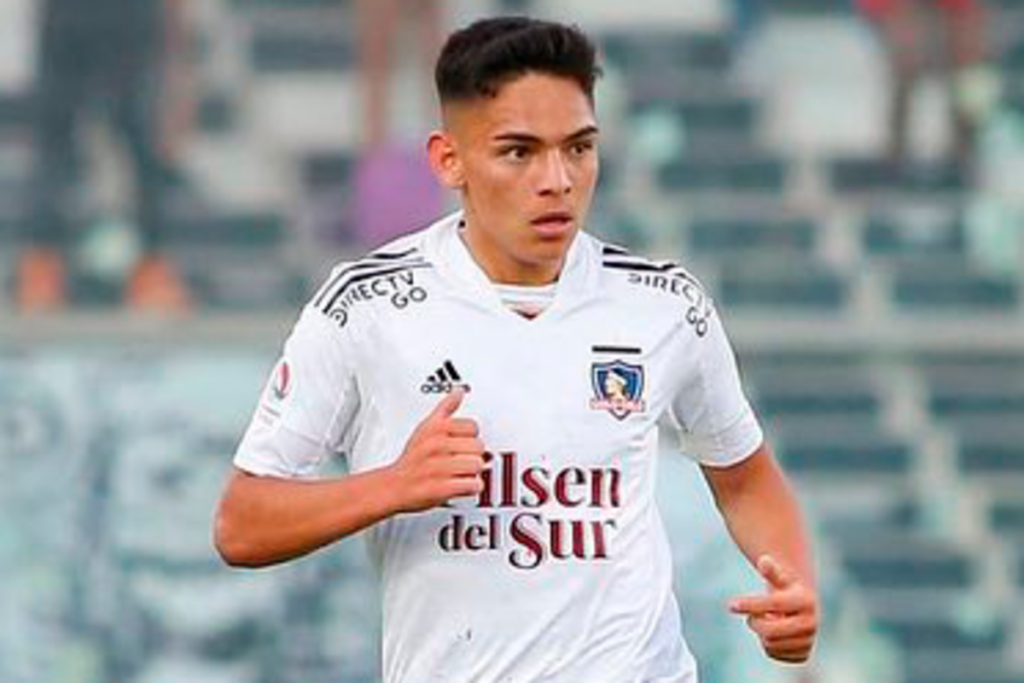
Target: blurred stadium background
{"x": 878, "y": 318}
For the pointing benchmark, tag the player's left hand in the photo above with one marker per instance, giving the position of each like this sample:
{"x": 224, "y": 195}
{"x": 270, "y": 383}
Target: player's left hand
{"x": 786, "y": 619}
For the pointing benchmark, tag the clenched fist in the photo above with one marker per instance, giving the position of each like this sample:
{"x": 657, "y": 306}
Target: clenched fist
{"x": 442, "y": 460}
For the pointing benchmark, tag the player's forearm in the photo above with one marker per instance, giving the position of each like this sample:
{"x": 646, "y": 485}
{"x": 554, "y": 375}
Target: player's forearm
{"x": 763, "y": 515}
{"x": 264, "y": 520}
{"x": 773, "y": 527}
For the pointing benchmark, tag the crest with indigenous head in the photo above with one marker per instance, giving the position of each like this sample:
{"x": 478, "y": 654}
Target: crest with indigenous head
{"x": 618, "y": 388}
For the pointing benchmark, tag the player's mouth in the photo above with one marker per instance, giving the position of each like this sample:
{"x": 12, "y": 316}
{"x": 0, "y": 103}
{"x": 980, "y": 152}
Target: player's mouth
{"x": 553, "y": 223}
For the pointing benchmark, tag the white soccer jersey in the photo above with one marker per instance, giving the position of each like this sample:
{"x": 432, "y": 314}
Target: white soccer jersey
{"x": 560, "y": 569}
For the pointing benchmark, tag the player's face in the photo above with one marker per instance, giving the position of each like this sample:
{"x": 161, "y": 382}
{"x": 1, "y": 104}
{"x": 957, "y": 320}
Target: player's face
{"x": 526, "y": 164}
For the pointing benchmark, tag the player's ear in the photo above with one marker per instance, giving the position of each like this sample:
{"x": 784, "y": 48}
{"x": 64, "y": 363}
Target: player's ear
{"x": 444, "y": 160}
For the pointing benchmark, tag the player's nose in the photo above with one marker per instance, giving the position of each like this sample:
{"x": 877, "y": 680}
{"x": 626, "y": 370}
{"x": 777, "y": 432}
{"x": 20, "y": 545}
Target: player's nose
{"x": 555, "y": 178}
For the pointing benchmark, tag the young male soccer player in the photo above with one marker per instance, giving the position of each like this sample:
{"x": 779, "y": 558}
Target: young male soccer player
{"x": 495, "y": 383}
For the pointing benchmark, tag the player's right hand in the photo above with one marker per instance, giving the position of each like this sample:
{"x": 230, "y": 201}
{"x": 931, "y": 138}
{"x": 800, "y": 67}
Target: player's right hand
{"x": 442, "y": 460}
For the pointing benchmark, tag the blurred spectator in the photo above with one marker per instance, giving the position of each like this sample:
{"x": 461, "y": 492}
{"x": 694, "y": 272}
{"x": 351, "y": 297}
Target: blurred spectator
{"x": 379, "y": 22}
{"x": 388, "y": 171}
{"x": 908, "y": 29}
{"x": 122, "y": 60}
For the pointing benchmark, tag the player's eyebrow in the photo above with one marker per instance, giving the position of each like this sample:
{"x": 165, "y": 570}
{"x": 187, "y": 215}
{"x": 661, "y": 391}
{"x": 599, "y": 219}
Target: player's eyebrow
{"x": 585, "y": 132}
{"x": 514, "y": 136}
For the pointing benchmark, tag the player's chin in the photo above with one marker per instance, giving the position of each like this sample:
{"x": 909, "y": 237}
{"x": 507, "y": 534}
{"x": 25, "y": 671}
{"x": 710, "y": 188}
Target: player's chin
{"x": 548, "y": 257}
{"x": 552, "y": 246}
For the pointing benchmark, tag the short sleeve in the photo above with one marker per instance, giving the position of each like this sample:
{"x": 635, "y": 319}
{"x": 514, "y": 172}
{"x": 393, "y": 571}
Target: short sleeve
{"x": 719, "y": 428}
{"x": 306, "y": 405}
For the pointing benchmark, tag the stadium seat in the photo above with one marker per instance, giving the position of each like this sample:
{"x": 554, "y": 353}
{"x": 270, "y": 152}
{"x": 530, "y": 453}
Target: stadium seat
{"x": 840, "y": 456}
{"x": 15, "y": 112}
{"x": 948, "y": 635}
{"x": 948, "y": 652}
{"x": 979, "y": 456}
{"x": 725, "y": 114}
{"x": 327, "y": 171}
{"x": 13, "y": 223}
{"x": 782, "y": 287}
{"x": 867, "y": 174}
{"x": 232, "y": 230}
{"x": 1014, "y": 100}
{"x": 738, "y": 234}
{"x": 808, "y": 7}
{"x": 983, "y": 406}
{"x": 237, "y": 287}
{"x": 853, "y": 523}
{"x": 1007, "y": 516}
{"x": 666, "y": 50}
{"x": 916, "y": 634}
{"x": 305, "y": 50}
{"x": 953, "y": 649}
{"x": 952, "y": 289}
{"x": 889, "y": 235}
{"x": 1012, "y": 57}
{"x": 283, "y": 4}
{"x": 755, "y": 172}
{"x": 908, "y": 562}
{"x": 987, "y": 396}
{"x": 929, "y": 674}
{"x": 951, "y": 375}
{"x": 790, "y": 386}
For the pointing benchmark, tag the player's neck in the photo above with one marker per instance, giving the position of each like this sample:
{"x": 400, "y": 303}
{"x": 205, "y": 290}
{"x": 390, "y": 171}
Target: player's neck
{"x": 528, "y": 301}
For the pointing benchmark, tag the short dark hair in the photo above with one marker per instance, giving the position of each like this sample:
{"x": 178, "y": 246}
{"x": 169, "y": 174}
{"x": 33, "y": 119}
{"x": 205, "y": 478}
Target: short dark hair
{"x": 477, "y": 60}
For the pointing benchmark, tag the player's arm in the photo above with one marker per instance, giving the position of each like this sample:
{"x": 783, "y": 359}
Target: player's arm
{"x": 764, "y": 519}
{"x": 264, "y": 520}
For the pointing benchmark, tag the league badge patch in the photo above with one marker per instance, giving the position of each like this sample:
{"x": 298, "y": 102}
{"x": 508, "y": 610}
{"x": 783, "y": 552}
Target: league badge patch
{"x": 618, "y": 388}
{"x": 282, "y": 385}
{"x": 274, "y": 394}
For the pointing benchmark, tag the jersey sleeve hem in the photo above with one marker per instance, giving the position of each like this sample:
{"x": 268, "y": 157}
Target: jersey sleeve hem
{"x": 276, "y": 455}
{"x": 260, "y": 469}
{"x": 732, "y": 445}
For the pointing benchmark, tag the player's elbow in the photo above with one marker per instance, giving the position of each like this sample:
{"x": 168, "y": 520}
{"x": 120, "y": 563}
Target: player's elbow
{"x": 233, "y": 543}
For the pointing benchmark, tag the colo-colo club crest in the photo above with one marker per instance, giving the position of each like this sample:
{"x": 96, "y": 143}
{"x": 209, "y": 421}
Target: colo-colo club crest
{"x": 618, "y": 388}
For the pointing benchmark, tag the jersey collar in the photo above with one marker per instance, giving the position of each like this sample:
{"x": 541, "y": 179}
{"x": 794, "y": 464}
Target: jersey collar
{"x": 454, "y": 262}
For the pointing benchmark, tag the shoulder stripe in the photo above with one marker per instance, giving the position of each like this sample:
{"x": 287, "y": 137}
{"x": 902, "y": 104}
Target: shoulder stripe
{"x": 609, "y": 249}
{"x": 379, "y": 259}
{"x": 667, "y": 267}
{"x": 388, "y": 255}
{"x": 639, "y": 265}
{"x": 380, "y": 271}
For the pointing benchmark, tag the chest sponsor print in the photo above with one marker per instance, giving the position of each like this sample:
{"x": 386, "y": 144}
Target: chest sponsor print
{"x": 536, "y": 514}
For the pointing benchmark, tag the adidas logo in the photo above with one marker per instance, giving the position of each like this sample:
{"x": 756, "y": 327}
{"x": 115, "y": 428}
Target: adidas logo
{"x": 444, "y": 379}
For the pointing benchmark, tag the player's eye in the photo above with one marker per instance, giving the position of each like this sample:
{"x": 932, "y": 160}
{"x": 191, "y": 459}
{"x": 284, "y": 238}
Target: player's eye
{"x": 582, "y": 147}
{"x": 515, "y": 152}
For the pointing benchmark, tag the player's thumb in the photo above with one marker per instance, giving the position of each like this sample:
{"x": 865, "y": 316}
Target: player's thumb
{"x": 773, "y": 572}
{"x": 447, "y": 406}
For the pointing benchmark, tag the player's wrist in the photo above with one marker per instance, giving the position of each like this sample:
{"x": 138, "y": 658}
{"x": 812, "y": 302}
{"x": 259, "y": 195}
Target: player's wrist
{"x": 394, "y": 488}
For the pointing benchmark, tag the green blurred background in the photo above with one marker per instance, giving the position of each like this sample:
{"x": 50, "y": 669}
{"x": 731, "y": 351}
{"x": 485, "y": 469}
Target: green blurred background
{"x": 875, "y": 304}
